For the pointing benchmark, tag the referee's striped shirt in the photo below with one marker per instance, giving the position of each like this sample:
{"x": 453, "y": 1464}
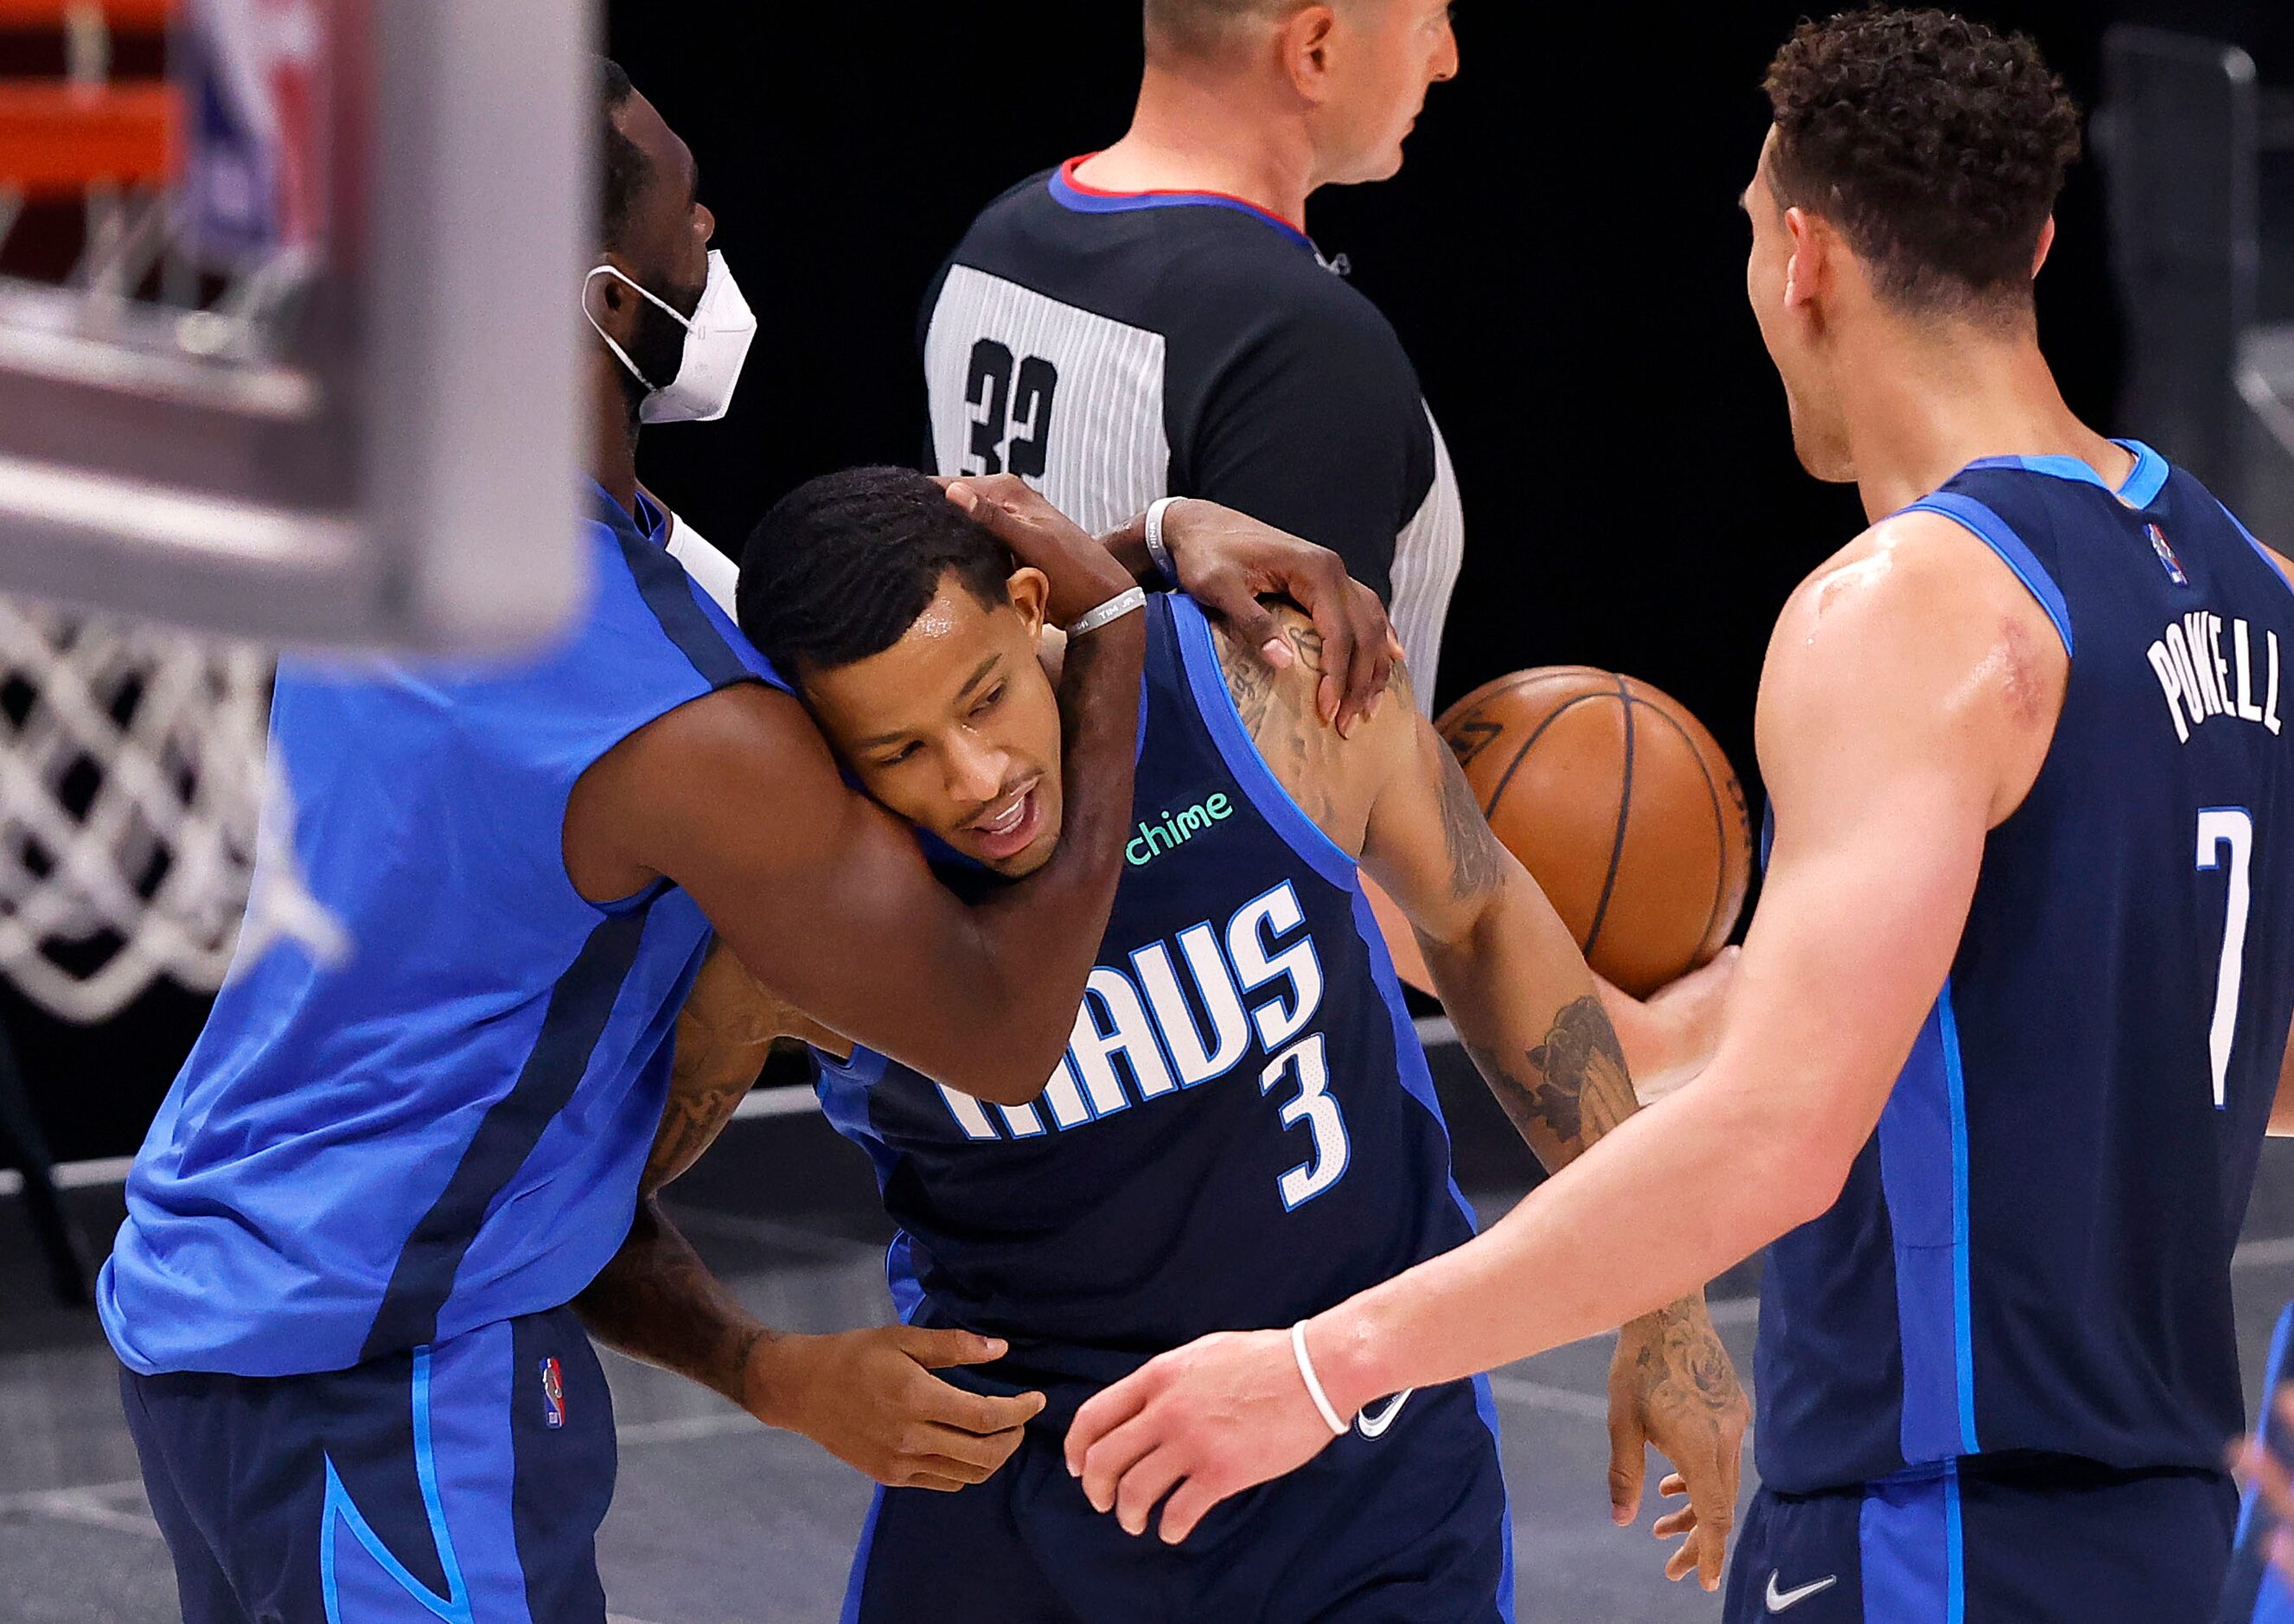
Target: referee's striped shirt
{"x": 1115, "y": 347}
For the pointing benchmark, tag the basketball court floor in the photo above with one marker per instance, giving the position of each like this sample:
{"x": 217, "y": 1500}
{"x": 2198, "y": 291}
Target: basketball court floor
{"x": 719, "y": 1520}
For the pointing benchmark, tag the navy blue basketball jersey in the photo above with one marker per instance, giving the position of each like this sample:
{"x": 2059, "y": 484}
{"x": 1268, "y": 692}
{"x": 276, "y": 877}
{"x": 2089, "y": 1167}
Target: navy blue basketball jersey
{"x": 2033, "y": 1252}
{"x": 1242, "y": 1131}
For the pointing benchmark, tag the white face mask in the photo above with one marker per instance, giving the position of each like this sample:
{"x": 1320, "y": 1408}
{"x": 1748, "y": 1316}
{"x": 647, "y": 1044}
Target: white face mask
{"x": 717, "y": 339}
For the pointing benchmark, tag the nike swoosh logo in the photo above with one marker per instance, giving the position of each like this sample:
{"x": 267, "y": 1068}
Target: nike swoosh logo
{"x": 1374, "y": 1426}
{"x": 1778, "y": 1600}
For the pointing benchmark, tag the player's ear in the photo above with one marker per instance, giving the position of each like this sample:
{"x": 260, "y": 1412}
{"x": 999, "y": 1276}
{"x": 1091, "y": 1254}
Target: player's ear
{"x": 1804, "y": 268}
{"x": 1305, "y": 44}
{"x": 2046, "y": 246}
{"x": 1029, "y": 591}
{"x": 607, "y": 301}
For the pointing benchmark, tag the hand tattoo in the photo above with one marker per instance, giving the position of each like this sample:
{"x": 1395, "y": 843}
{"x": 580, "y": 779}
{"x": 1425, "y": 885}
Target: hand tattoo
{"x": 1681, "y": 1371}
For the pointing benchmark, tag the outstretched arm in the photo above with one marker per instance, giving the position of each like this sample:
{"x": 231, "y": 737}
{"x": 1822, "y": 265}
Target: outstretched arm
{"x": 1529, "y": 1012}
{"x": 1526, "y": 1008}
{"x": 866, "y": 1397}
{"x": 1909, "y": 698}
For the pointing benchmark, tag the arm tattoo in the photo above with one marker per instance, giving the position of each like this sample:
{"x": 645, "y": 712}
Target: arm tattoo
{"x": 1292, "y": 739}
{"x": 1476, "y": 860}
{"x": 1574, "y": 1089}
{"x": 723, "y": 1033}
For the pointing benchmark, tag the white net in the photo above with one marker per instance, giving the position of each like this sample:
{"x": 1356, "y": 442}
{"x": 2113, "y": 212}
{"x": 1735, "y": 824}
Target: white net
{"x": 133, "y": 780}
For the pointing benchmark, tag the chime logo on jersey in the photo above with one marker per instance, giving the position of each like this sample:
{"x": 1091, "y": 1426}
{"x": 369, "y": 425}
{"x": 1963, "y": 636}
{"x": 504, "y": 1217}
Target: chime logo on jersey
{"x": 1139, "y": 1037}
{"x": 2166, "y": 551}
{"x": 553, "y": 1394}
{"x": 1168, "y": 834}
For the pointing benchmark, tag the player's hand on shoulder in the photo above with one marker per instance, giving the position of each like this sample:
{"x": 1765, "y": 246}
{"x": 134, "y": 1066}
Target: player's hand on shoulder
{"x": 1672, "y": 1385}
{"x": 870, "y": 1399}
{"x": 1228, "y": 562}
{"x": 1082, "y": 572}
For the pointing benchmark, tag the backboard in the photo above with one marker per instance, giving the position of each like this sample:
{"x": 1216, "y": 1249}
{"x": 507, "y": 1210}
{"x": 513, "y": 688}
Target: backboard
{"x": 304, "y": 370}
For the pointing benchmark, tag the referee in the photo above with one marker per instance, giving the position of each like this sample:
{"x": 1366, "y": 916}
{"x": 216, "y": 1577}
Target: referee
{"x": 1153, "y": 319}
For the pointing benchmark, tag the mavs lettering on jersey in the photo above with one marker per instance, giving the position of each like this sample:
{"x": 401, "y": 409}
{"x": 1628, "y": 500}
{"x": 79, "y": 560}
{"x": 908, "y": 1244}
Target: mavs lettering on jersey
{"x": 2032, "y": 1254}
{"x": 1143, "y": 1021}
{"x": 1242, "y": 1131}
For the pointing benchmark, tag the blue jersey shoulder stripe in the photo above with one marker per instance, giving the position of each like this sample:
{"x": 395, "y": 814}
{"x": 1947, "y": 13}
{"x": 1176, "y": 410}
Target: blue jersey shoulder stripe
{"x": 668, "y": 592}
{"x": 1995, "y": 533}
{"x": 579, "y": 1006}
{"x": 1207, "y": 682}
{"x": 2142, "y": 487}
{"x": 2260, "y": 552}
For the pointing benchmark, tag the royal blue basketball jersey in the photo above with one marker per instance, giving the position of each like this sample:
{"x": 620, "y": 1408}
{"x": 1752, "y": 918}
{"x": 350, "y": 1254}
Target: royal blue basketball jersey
{"x": 2033, "y": 1251}
{"x": 1242, "y": 1132}
{"x": 446, "y": 1129}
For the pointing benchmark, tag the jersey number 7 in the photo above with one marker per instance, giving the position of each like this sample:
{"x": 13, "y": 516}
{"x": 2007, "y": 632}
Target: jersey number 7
{"x": 2232, "y": 827}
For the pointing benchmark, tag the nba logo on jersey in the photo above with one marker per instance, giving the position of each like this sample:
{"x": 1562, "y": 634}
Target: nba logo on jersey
{"x": 2173, "y": 565}
{"x": 553, "y": 1394}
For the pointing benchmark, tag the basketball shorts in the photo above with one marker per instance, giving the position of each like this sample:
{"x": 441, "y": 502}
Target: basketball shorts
{"x": 464, "y": 1481}
{"x": 1408, "y": 1527}
{"x": 2047, "y": 1541}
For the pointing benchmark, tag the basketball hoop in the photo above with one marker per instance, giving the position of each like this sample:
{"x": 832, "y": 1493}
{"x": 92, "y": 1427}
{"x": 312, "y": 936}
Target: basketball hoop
{"x": 132, "y": 783}
{"x": 133, "y": 773}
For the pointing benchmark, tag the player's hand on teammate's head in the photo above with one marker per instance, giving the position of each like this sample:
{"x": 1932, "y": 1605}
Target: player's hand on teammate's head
{"x": 1672, "y": 1385}
{"x": 869, "y": 1399}
{"x": 1192, "y": 1427}
{"x": 1227, "y": 561}
{"x": 1082, "y": 572}
{"x": 2258, "y": 1468}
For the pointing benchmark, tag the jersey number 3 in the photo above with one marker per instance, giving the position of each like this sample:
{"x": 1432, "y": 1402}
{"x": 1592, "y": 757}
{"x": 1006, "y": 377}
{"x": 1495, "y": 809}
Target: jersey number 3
{"x": 1011, "y": 400}
{"x": 2232, "y": 827}
{"x": 1307, "y": 1062}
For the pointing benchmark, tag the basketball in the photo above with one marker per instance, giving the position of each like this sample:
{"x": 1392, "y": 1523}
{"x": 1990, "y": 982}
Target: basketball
{"x": 1621, "y": 804}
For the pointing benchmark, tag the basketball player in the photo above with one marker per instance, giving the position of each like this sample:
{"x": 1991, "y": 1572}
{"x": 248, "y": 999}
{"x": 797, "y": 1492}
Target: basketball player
{"x": 1243, "y": 1124}
{"x": 2006, "y": 1032}
{"x": 1153, "y": 319}
{"x": 339, "y": 1293}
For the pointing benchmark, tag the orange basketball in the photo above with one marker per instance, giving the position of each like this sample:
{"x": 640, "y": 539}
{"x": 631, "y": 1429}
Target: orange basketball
{"x": 1621, "y": 804}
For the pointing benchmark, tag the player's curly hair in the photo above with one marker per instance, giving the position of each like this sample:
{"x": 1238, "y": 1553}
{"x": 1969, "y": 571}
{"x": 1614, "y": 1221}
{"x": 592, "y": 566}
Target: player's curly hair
{"x": 1937, "y": 146}
{"x": 845, "y": 564}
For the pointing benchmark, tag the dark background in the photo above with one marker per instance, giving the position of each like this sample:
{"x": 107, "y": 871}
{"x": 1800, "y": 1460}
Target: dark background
{"x": 1562, "y": 257}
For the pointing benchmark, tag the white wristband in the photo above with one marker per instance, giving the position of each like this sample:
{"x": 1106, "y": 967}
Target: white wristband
{"x": 1114, "y": 610}
{"x": 1158, "y": 549}
{"x": 1315, "y": 1383}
